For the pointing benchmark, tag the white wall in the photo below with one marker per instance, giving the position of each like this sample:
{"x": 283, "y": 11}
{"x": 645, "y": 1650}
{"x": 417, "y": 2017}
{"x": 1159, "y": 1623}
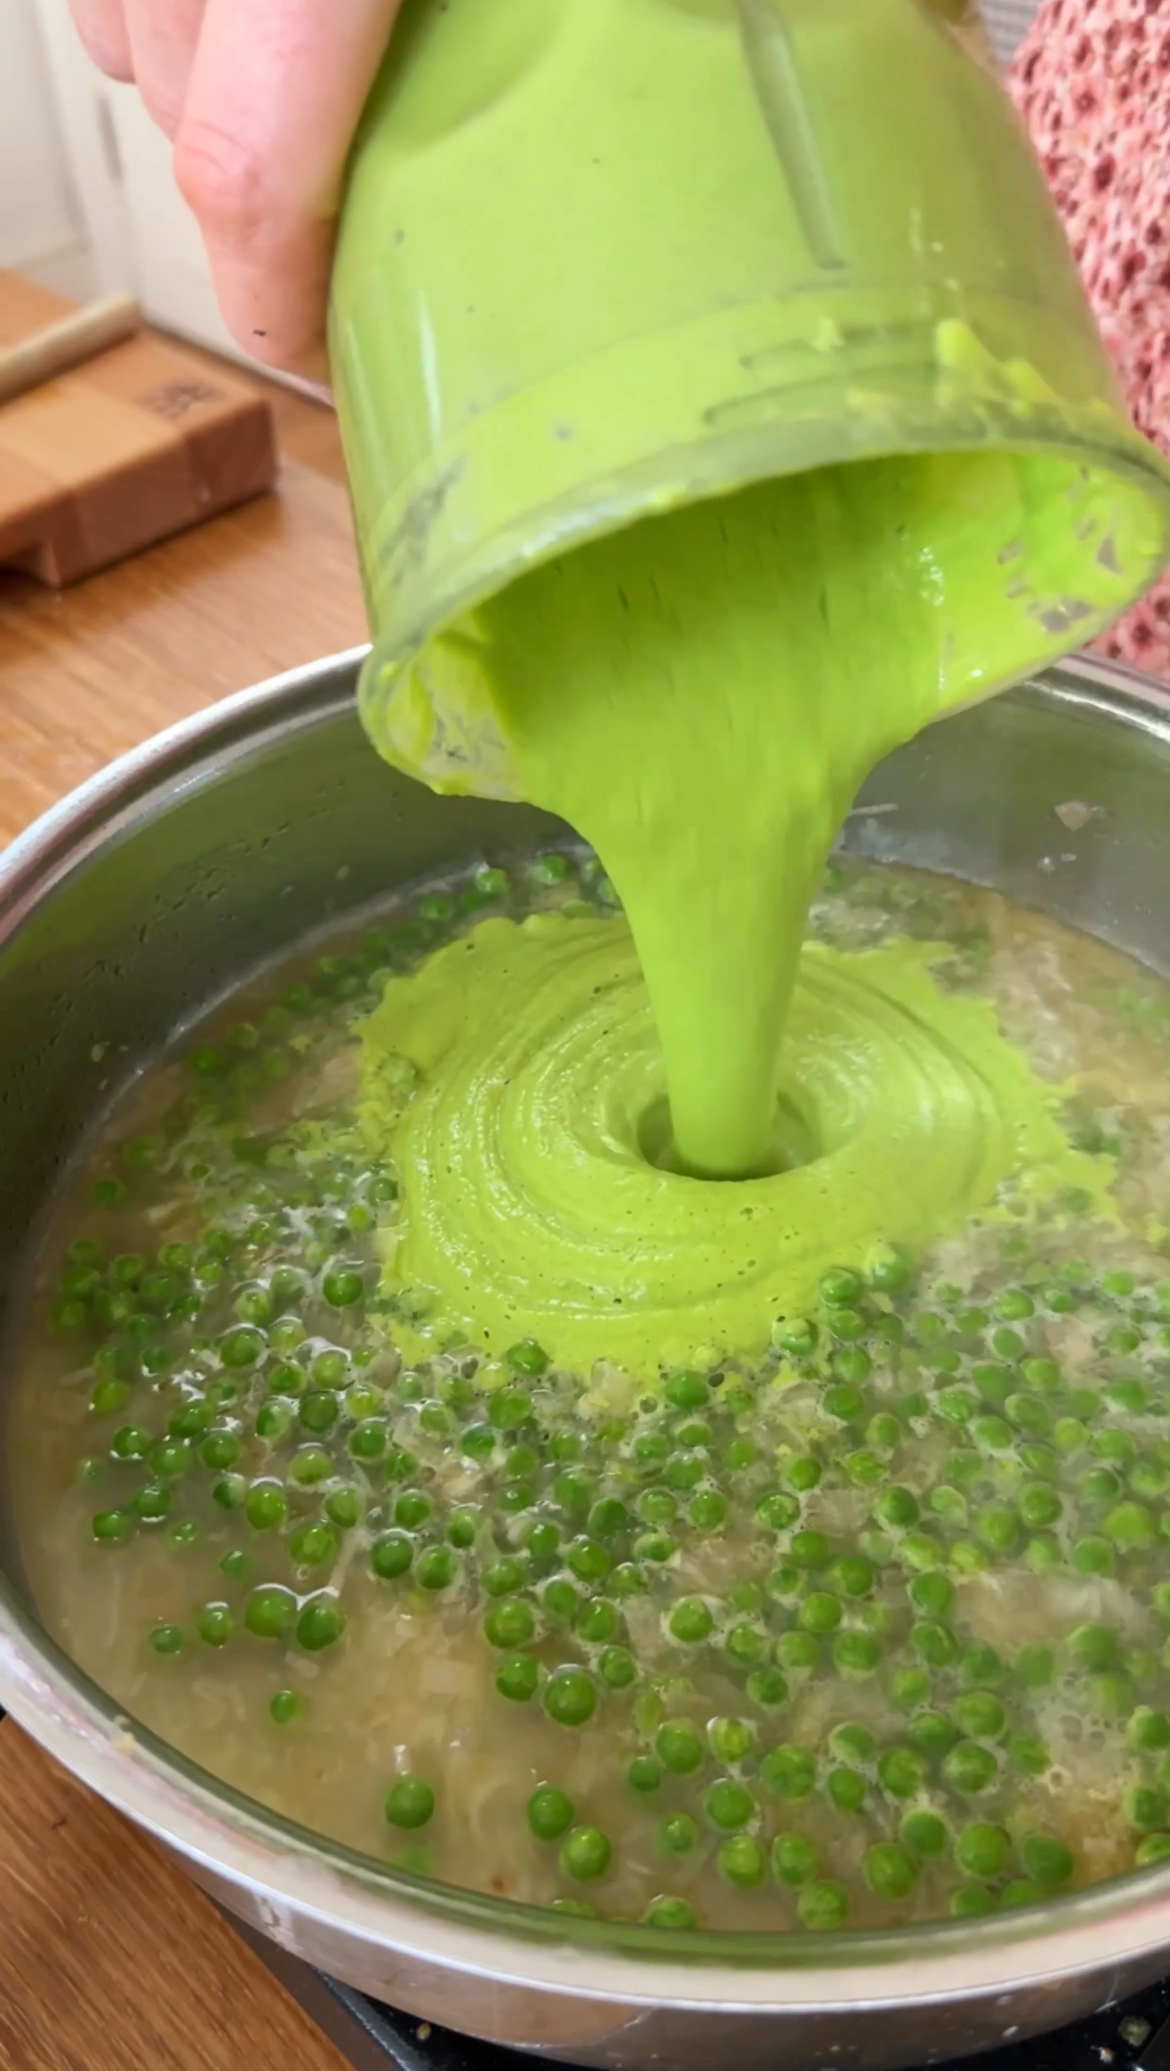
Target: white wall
{"x": 42, "y": 226}
{"x": 142, "y": 235}
{"x": 1007, "y": 20}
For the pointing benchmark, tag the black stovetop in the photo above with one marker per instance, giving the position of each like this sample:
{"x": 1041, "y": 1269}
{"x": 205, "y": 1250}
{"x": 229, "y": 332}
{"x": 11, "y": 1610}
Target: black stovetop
{"x": 1133, "y": 2035}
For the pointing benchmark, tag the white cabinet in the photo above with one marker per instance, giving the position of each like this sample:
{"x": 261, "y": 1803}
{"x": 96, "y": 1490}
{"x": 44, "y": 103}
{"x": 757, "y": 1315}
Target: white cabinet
{"x": 42, "y": 225}
{"x": 143, "y": 235}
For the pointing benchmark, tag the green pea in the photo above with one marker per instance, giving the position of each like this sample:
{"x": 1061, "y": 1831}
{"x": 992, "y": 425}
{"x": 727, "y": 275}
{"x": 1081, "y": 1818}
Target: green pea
{"x": 980, "y": 1664}
{"x": 979, "y": 1715}
{"x": 820, "y": 1613}
{"x": 343, "y": 1507}
{"x": 803, "y": 1474}
{"x": 110, "y": 1527}
{"x": 1094, "y": 1555}
{"x": 934, "y": 1644}
{"x": 410, "y": 1803}
{"x": 509, "y": 1624}
{"x": 321, "y": 1624}
{"x": 846, "y": 1789}
{"x": 678, "y": 1835}
{"x": 1099, "y": 1485}
{"x": 344, "y": 1288}
{"x": 972, "y": 1902}
{"x": 890, "y": 1871}
{"x": 108, "y": 1397}
{"x": 883, "y": 1432}
{"x": 708, "y": 1510}
{"x": 732, "y": 1740}
{"x": 729, "y": 1805}
{"x": 998, "y": 1528}
{"x": 855, "y": 1653}
{"x": 789, "y": 1772}
{"x": 797, "y": 1336}
{"x": 588, "y": 1559}
{"x": 1130, "y": 1527}
{"x": 888, "y": 1270}
{"x": 153, "y": 1502}
{"x": 436, "y": 1568}
{"x": 923, "y": 1833}
{"x": 550, "y": 1812}
{"x": 570, "y": 1696}
{"x": 518, "y": 1677}
{"x": 983, "y": 1850}
{"x": 810, "y": 1549}
{"x": 1092, "y": 1647}
{"x": 969, "y": 1768}
{"x": 673, "y": 1913}
{"x": 690, "y": 1620}
{"x": 318, "y": 1410}
{"x": 1146, "y": 1808}
{"x": 215, "y": 1625}
{"x": 1155, "y": 1848}
{"x": 271, "y": 1612}
{"x": 1028, "y": 1753}
{"x": 957, "y": 1405}
{"x": 853, "y": 1575}
{"x": 1046, "y": 1861}
{"x": 644, "y": 1775}
{"x": 896, "y": 1510}
{"x": 585, "y": 1854}
{"x": 851, "y": 1743}
{"x": 1112, "y": 1696}
{"x": 777, "y": 1512}
{"x": 617, "y": 1668}
{"x": 847, "y": 1325}
{"x": 1148, "y": 1731}
{"x": 266, "y": 1507}
{"x": 797, "y": 1653}
{"x": 795, "y": 1860}
{"x": 242, "y": 1347}
{"x": 932, "y": 1595}
{"x": 841, "y": 1288}
{"x": 167, "y": 1639}
{"x": 767, "y": 1688}
{"x": 391, "y": 1555}
{"x": 823, "y": 1906}
{"x": 902, "y": 1772}
{"x": 679, "y": 1747}
{"x": 910, "y": 1688}
{"x": 842, "y": 1400}
{"x": 742, "y": 1861}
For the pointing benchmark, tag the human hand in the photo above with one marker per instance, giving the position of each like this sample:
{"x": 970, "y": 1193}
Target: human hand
{"x": 261, "y": 99}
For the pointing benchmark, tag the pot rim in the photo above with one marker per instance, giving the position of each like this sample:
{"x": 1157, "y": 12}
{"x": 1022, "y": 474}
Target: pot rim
{"x": 291, "y": 1874}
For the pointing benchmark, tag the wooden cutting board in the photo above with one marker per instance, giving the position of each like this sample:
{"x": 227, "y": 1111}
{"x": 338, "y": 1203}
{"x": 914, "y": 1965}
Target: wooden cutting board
{"x": 136, "y": 444}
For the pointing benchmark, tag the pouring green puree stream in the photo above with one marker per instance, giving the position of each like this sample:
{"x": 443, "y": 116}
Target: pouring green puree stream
{"x": 701, "y": 696}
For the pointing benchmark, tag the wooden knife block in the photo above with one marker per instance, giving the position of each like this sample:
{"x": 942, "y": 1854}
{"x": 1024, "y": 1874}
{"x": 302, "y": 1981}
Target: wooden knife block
{"x": 140, "y": 442}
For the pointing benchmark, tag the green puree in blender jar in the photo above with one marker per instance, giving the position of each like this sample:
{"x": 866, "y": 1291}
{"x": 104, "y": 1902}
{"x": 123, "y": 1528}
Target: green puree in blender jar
{"x": 701, "y": 696}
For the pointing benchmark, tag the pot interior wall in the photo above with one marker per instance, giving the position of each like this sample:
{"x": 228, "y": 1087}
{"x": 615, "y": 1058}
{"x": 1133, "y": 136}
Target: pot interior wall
{"x": 156, "y": 898}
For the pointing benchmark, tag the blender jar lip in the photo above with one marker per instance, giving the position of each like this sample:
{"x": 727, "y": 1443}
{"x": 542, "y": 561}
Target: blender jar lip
{"x": 296, "y": 1872}
{"x": 660, "y": 483}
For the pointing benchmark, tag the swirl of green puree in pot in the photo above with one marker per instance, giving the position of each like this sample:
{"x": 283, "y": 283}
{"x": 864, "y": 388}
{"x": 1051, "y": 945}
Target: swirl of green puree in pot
{"x": 532, "y": 1204}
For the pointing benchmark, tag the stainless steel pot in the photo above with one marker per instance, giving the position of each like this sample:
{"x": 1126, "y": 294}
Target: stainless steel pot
{"x": 159, "y": 886}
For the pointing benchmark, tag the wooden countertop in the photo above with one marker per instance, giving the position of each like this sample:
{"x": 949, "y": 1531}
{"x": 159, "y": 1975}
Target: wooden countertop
{"x": 109, "y": 1959}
